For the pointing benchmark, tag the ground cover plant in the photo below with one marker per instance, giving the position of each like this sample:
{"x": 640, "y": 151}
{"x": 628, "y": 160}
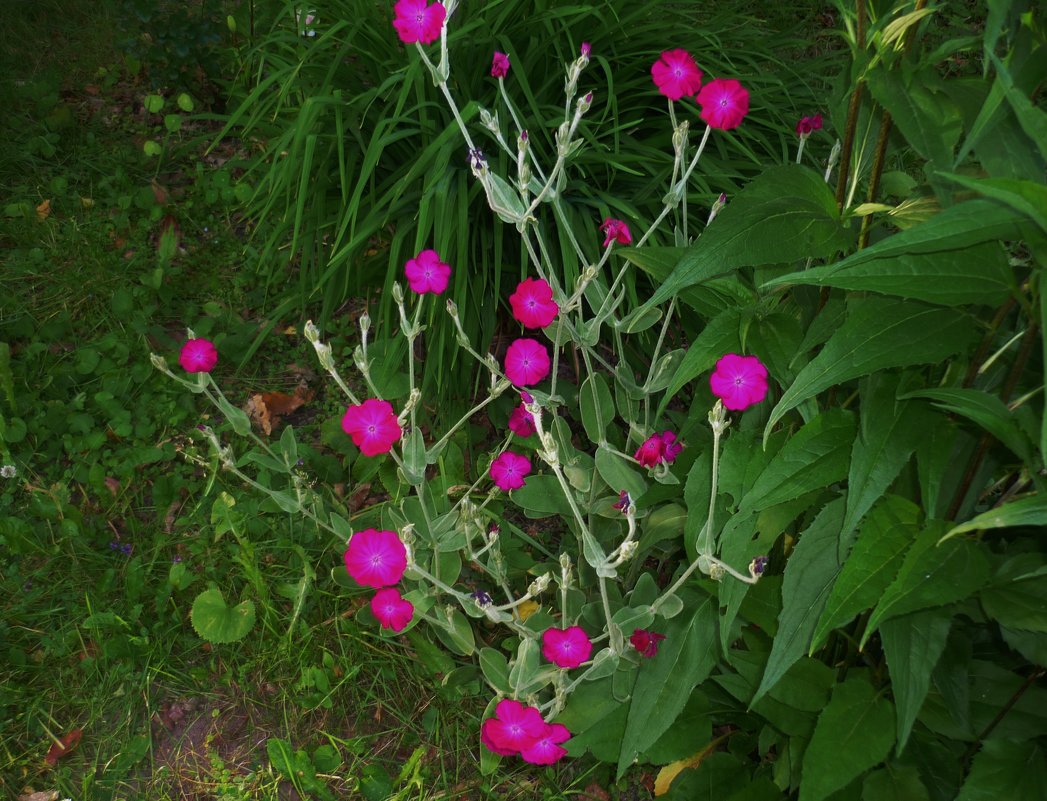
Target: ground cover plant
{"x": 830, "y": 587}
{"x": 833, "y": 594}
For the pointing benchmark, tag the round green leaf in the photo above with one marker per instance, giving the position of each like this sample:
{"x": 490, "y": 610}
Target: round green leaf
{"x": 185, "y": 102}
{"x": 218, "y": 623}
{"x": 153, "y": 103}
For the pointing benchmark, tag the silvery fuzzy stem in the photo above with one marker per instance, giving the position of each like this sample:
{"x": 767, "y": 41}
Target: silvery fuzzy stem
{"x": 495, "y": 392}
{"x": 654, "y": 359}
{"x": 799, "y": 148}
{"x": 677, "y": 189}
{"x": 834, "y": 156}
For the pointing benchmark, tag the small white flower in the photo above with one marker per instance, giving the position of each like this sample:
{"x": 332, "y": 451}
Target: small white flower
{"x": 8, "y": 471}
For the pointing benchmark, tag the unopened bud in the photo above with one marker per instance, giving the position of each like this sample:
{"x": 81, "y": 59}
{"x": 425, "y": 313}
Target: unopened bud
{"x": 323, "y": 354}
{"x": 398, "y": 293}
{"x": 716, "y": 573}
{"x": 452, "y": 309}
{"x": 585, "y": 103}
{"x": 565, "y": 561}
{"x": 159, "y": 362}
{"x": 539, "y": 585}
{"x": 365, "y": 323}
{"x": 717, "y": 207}
{"x": 586, "y": 49}
{"x": 312, "y": 333}
{"x": 490, "y": 121}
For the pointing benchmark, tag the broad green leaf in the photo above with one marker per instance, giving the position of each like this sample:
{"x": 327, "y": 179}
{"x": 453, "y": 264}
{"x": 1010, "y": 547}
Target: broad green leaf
{"x": 218, "y": 623}
{"x": 542, "y": 496}
{"x": 1018, "y": 604}
{"x": 496, "y": 670}
{"x": 883, "y": 539}
{"x": 710, "y": 298}
{"x": 793, "y": 704}
{"x": 785, "y": 214}
{"x": 597, "y": 406}
{"x": 1032, "y": 118}
{"x": 809, "y": 575}
{"x": 720, "y": 336}
{"x": 854, "y": 733}
{"x": 1025, "y": 512}
{"x": 929, "y": 119}
{"x": 977, "y": 274}
{"x": 1006, "y": 769}
{"x": 414, "y": 461}
{"x": 932, "y": 575}
{"x": 716, "y": 778}
{"x": 988, "y": 411}
{"x": 815, "y": 457}
{"x": 692, "y": 730}
{"x": 525, "y": 665}
{"x": 457, "y": 634}
{"x": 913, "y": 644}
{"x": 879, "y": 333}
{"x": 1031, "y": 645}
{"x": 596, "y": 719}
{"x": 889, "y": 433}
{"x": 663, "y": 685}
{"x": 1026, "y": 197}
{"x": 895, "y": 783}
{"x": 289, "y": 447}
{"x": 618, "y": 473}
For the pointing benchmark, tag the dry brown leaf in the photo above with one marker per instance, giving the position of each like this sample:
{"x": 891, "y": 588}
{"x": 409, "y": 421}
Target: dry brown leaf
{"x": 266, "y": 408}
{"x": 112, "y": 485}
{"x": 63, "y": 747}
{"x": 43, "y": 211}
{"x": 42, "y": 795}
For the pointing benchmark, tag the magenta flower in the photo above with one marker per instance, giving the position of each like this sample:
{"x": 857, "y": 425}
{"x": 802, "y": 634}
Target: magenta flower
{"x": 675, "y": 74}
{"x": 499, "y": 65}
{"x": 566, "y": 648}
{"x": 670, "y": 447}
{"x": 526, "y": 362}
{"x": 724, "y": 102}
{"x": 651, "y": 452}
{"x": 808, "y": 125}
{"x": 392, "y": 611}
{"x": 546, "y": 750}
{"x": 372, "y": 425}
{"x": 376, "y": 558}
{"x": 198, "y": 356}
{"x": 617, "y": 231}
{"x": 416, "y": 21}
{"x": 533, "y": 303}
{"x": 739, "y": 381}
{"x": 585, "y": 50}
{"x": 426, "y": 273}
{"x": 514, "y": 728}
{"x": 646, "y": 642}
{"x": 623, "y": 503}
{"x": 509, "y": 470}
{"x": 521, "y": 422}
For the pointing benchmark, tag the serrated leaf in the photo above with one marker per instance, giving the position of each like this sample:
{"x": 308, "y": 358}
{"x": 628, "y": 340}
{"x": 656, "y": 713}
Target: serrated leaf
{"x": 218, "y": 623}
{"x": 1018, "y": 604}
{"x": 883, "y": 540}
{"x": 663, "y": 683}
{"x": 890, "y": 431}
{"x": 1006, "y": 769}
{"x": 978, "y": 274}
{"x": 895, "y": 783}
{"x": 913, "y": 644}
{"x": 931, "y": 575}
{"x": 929, "y": 119}
{"x": 854, "y": 733}
{"x": 878, "y": 333}
{"x": 815, "y": 457}
{"x": 809, "y": 575}
{"x": 1025, "y": 512}
{"x": 987, "y": 410}
{"x": 792, "y": 209}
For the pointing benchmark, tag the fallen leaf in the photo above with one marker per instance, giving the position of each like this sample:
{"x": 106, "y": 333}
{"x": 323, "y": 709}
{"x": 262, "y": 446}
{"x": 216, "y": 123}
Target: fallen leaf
{"x": 159, "y": 193}
{"x": 42, "y": 795}
{"x": 112, "y": 485}
{"x": 526, "y": 609}
{"x": 672, "y": 770}
{"x": 63, "y": 747}
{"x": 594, "y": 792}
{"x": 266, "y": 408}
{"x": 43, "y": 211}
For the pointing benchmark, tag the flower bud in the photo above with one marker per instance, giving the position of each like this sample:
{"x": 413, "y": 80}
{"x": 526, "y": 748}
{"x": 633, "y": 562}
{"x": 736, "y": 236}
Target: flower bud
{"x": 398, "y": 293}
{"x": 323, "y": 353}
{"x": 585, "y": 103}
{"x": 718, "y": 417}
{"x": 717, "y": 207}
{"x": 586, "y": 49}
{"x": 716, "y": 573}
{"x": 312, "y": 333}
{"x": 365, "y": 323}
{"x": 452, "y": 309}
{"x": 477, "y": 162}
{"x": 490, "y": 121}
{"x": 539, "y": 585}
{"x": 159, "y": 362}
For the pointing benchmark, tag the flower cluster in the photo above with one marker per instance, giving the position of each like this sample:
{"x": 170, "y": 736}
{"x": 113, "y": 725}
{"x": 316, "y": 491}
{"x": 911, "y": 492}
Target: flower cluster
{"x": 519, "y": 730}
{"x": 658, "y": 449}
{"x": 724, "y": 101}
{"x": 378, "y": 559}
